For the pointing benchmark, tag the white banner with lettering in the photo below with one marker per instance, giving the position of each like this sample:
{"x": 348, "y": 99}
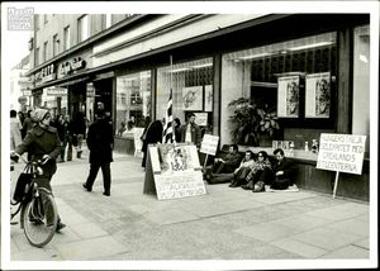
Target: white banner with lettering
{"x": 341, "y": 153}
{"x": 209, "y": 144}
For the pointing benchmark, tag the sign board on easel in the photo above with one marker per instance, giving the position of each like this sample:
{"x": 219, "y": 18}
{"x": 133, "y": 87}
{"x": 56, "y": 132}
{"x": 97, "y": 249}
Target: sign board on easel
{"x": 209, "y": 145}
{"x": 341, "y": 153}
{"x": 173, "y": 171}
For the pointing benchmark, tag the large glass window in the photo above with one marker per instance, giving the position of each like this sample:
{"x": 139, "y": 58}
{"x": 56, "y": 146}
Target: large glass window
{"x": 83, "y": 28}
{"x": 361, "y": 96}
{"x": 66, "y": 37}
{"x": 281, "y": 80}
{"x": 133, "y": 101}
{"x": 192, "y": 86}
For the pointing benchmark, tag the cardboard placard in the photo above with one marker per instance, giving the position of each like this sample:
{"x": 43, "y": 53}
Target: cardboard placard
{"x": 173, "y": 171}
{"x": 209, "y": 144}
{"x": 341, "y": 153}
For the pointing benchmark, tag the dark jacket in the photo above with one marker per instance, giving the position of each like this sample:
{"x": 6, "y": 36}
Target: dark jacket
{"x": 232, "y": 160}
{"x": 40, "y": 141}
{"x": 195, "y": 134}
{"x": 287, "y": 166}
{"x": 100, "y": 141}
{"x": 78, "y": 125}
{"x": 153, "y": 134}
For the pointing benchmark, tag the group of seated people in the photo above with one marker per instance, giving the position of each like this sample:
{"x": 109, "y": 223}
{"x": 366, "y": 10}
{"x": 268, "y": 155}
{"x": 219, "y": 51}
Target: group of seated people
{"x": 252, "y": 172}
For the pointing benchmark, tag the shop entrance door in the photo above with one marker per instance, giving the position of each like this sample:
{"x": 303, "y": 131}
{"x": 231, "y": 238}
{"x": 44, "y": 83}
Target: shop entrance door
{"x": 103, "y": 93}
{"x": 77, "y": 99}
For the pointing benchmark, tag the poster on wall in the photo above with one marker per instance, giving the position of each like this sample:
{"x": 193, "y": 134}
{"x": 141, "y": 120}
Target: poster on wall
{"x": 318, "y": 95}
{"x": 288, "y": 97}
{"x": 176, "y": 171}
{"x": 192, "y": 98}
{"x": 209, "y": 98}
{"x": 201, "y": 119}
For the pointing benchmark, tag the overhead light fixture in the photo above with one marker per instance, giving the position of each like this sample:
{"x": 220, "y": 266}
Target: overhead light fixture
{"x": 179, "y": 70}
{"x": 202, "y": 66}
{"x": 313, "y": 45}
{"x": 254, "y": 56}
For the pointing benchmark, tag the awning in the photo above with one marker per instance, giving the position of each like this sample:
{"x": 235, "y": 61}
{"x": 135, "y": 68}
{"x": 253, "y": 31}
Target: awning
{"x": 73, "y": 82}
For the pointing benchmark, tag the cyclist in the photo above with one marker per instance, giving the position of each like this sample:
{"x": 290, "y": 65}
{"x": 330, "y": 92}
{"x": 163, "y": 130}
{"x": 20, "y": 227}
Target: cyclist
{"x": 42, "y": 143}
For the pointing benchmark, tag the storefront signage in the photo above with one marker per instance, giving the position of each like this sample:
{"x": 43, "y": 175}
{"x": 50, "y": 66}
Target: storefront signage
{"x": 56, "y": 91}
{"x": 341, "y": 153}
{"x": 317, "y": 96}
{"x": 175, "y": 171}
{"x": 46, "y": 74}
{"x": 70, "y": 66}
{"x": 209, "y": 144}
{"x": 288, "y": 97}
{"x": 26, "y": 92}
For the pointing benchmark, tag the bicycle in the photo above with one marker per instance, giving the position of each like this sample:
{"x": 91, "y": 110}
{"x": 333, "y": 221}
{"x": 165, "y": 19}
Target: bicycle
{"x": 35, "y": 203}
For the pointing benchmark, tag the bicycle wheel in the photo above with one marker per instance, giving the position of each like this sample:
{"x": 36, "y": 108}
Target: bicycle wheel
{"x": 40, "y": 218}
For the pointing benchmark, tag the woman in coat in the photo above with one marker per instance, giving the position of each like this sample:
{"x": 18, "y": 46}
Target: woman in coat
{"x": 153, "y": 135}
{"x": 42, "y": 143}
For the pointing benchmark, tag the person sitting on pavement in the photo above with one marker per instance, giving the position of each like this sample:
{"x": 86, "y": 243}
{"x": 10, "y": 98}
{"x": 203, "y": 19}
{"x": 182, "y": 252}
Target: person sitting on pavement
{"x": 240, "y": 174}
{"x": 284, "y": 171}
{"x": 42, "y": 143}
{"x": 261, "y": 173}
{"x": 228, "y": 164}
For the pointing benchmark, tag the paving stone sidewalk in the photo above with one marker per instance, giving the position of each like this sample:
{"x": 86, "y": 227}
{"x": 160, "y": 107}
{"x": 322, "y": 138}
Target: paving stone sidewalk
{"x": 224, "y": 224}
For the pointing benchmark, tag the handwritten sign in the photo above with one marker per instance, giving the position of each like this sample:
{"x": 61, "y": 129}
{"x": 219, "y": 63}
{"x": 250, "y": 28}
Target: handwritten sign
{"x": 341, "y": 153}
{"x": 175, "y": 170}
{"x": 209, "y": 144}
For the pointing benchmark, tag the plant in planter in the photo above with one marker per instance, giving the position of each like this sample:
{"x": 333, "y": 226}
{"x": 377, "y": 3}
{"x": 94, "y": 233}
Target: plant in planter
{"x": 252, "y": 122}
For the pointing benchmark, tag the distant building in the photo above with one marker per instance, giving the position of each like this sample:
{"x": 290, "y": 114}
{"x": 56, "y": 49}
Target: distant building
{"x": 21, "y": 86}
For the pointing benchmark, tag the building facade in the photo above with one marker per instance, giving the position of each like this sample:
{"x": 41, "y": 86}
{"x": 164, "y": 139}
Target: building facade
{"x": 307, "y": 73}
{"x": 21, "y": 86}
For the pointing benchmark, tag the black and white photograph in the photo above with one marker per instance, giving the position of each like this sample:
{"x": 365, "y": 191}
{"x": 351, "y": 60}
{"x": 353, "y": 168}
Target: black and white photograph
{"x": 229, "y": 135}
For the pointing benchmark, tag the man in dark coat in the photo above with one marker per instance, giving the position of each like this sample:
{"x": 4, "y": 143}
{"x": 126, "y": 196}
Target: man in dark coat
{"x": 100, "y": 143}
{"x": 190, "y": 132}
{"x": 42, "y": 143}
{"x": 284, "y": 171}
{"x": 153, "y": 135}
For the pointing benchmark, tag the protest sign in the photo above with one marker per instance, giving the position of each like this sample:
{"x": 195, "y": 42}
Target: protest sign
{"x": 173, "y": 171}
{"x": 341, "y": 153}
{"x": 209, "y": 144}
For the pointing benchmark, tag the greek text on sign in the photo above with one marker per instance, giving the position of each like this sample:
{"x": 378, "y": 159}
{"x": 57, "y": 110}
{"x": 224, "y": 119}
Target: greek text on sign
{"x": 342, "y": 153}
{"x": 209, "y": 144}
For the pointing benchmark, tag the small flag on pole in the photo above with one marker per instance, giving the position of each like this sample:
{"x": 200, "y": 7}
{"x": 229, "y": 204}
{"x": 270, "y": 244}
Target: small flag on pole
{"x": 168, "y": 136}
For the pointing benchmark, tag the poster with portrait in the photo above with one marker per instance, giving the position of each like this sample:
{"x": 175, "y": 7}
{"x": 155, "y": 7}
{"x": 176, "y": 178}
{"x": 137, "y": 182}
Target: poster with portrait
{"x": 318, "y": 95}
{"x": 176, "y": 171}
{"x": 192, "y": 98}
{"x": 201, "y": 119}
{"x": 288, "y": 97}
{"x": 209, "y": 98}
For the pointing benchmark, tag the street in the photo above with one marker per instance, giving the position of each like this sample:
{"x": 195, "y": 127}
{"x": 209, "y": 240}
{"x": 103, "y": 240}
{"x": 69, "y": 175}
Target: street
{"x": 225, "y": 223}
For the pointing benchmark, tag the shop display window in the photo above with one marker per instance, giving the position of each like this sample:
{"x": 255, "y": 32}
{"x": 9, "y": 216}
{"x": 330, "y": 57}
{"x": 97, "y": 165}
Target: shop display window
{"x": 192, "y": 90}
{"x": 361, "y": 90}
{"x": 290, "y": 81}
{"x": 133, "y": 102}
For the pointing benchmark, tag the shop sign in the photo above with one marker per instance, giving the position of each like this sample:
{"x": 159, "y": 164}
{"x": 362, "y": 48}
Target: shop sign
{"x": 71, "y": 66}
{"x": 26, "y": 92}
{"x": 174, "y": 170}
{"x": 341, "y": 153}
{"x": 46, "y": 74}
{"x": 56, "y": 91}
{"x": 209, "y": 144}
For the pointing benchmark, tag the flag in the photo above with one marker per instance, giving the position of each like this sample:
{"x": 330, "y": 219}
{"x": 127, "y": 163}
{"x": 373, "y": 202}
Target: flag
{"x": 168, "y": 135}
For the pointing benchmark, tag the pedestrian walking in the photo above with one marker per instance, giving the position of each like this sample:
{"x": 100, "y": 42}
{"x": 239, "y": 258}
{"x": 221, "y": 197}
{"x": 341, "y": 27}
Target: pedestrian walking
{"x": 42, "y": 143}
{"x": 177, "y": 129}
{"x": 62, "y": 126}
{"x": 28, "y": 124}
{"x": 78, "y": 129}
{"x": 15, "y": 130}
{"x": 100, "y": 143}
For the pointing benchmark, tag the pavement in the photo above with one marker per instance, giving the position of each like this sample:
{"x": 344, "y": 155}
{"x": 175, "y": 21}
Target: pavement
{"x": 224, "y": 224}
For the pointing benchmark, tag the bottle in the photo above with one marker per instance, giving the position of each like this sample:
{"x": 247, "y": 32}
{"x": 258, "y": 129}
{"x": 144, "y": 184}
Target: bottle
{"x": 306, "y": 146}
{"x": 314, "y": 146}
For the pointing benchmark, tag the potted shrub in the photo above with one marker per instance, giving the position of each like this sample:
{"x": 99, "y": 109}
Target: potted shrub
{"x": 252, "y": 123}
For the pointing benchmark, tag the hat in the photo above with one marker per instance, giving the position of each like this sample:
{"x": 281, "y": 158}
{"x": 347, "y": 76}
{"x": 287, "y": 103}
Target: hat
{"x": 39, "y": 114}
